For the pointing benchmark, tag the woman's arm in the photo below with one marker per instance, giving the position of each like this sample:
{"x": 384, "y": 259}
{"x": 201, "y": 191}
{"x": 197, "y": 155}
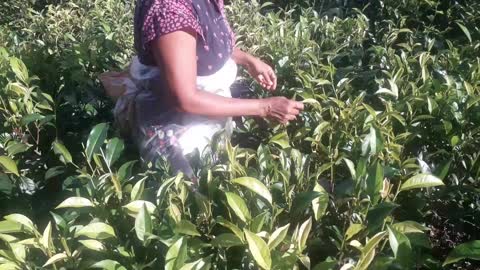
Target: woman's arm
{"x": 176, "y": 54}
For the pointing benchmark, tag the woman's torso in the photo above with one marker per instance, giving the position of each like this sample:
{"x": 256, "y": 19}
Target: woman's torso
{"x": 215, "y": 40}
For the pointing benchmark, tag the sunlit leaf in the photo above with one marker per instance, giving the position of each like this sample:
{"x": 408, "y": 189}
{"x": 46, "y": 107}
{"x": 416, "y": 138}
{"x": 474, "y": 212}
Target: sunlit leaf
{"x": 278, "y": 236}
{"x": 238, "y": 205}
{"x": 96, "y": 230}
{"x": 255, "y": 186}
{"x": 259, "y": 250}
{"x": 96, "y": 139}
{"x": 75, "y": 202}
{"x": 9, "y": 165}
{"x": 421, "y": 181}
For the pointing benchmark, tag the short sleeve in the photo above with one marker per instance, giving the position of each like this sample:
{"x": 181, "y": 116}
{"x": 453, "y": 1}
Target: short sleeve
{"x": 166, "y": 16}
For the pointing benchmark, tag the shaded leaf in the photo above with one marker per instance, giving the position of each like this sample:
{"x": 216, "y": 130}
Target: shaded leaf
{"x": 470, "y": 250}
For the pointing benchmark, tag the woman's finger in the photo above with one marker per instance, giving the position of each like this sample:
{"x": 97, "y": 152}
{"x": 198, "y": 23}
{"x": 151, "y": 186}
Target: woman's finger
{"x": 273, "y": 78}
{"x": 268, "y": 80}
{"x": 299, "y": 105}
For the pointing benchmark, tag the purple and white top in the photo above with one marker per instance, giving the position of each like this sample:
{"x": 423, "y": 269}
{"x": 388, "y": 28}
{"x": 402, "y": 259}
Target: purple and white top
{"x": 215, "y": 39}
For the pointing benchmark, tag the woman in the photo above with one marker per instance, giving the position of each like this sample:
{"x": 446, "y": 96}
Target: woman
{"x": 179, "y": 96}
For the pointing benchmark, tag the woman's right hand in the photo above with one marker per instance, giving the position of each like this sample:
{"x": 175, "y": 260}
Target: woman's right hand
{"x": 282, "y": 109}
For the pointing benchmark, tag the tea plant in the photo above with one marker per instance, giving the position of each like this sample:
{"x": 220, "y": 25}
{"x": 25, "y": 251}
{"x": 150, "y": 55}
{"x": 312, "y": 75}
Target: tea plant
{"x": 380, "y": 171}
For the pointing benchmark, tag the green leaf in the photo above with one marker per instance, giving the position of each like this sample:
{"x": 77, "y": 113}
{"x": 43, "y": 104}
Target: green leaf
{"x": 134, "y": 207}
{"x": 15, "y": 148}
{"x": 93, "y": 244}
{"x": 96, "y": 139}
{"x": 96, "y": 230}
{"x": 259, "y": 250}
{"x": 75, "y": 202}
{"x": 226, "y": 240}
{"x": 46, "y": 239}
{"x": 303, "y": 233}
{"x": 368, "y": 251}
{"x": 9, "y": 165}
{"x": 232, "y": 227}
{"x": 176, "y": 255}
{"x": 114, "y": 149}
{"x": 186, "y": 227}
{"x": 465, "y": 31}
{"x": 377, "y": 214}
{"x": 255, "y": 186}
{"x": 137, "y": 190}
{"x": 400, "y": 245}
{"x": 143, "y": 224}
{"x": 470, "y": 250}
{"x": 281, "y": 139}
{"x": 53, "y": 172}
{"x": 22, "y": 220}
{"x": 200, "y": 264}
{"x": 108, "y": 265}
{"x": 56, "y": 258}
{"x": 352, "y": 230}
{"x": 421, "y": 181}
{"x": 320, "y": 203}
{"x": 278, "y": 236}
{"x": 302, "y": 200}
{"x": 257, "y": 222}
{"x": 409, "y": 227}
{"x": 7, "y": 226}
{"x": 375, "y": 181}
{"x": 238, "y": 205}
{"x": 442, "y": 170}
{"x": 60, "y": 149}
{"x": 125, "y": 171}
{"x": 19, "y": 68}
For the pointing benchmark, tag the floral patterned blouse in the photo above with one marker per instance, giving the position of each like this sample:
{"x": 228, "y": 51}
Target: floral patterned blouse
{"x": 215, "y": 40}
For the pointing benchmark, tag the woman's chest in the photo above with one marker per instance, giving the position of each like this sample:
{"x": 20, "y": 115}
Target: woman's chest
{"x": 215, "y": 45}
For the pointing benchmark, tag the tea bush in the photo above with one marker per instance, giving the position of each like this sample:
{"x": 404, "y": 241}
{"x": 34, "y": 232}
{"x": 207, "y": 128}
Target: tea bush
{"x": 381, "y": 171}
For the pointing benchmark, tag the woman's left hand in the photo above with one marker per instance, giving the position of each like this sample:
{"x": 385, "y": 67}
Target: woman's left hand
{"x": 262, "y": 73}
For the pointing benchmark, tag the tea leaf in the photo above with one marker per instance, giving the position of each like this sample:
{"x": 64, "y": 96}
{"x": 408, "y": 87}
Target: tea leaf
{"x": 259, "y": 250}
{"x": 22, "y": 220}
{"x": 8, "y": 164}
{"x": 137, "y": 190}
{"x": 93, "y": 244}
{"x": 238, "y": 205}
{"x": 56, "y": 258}
{"x": 421, "y": 181}
{"x": 114, "y": 149}
{"x": 320, "y": 203}
{"x": 176, "y": 255}
{"x": 75, "y": 202}
{"x": 108, "y": 265}
{"x": 186, "y": 227}
{"x": 143, "y": 224}
{"x": 96, "y": 139}
{"x": 226, "y": 240}
{"x": 277, "y": 236}
{"x": 61, "y": 150}
{"x": 255, "y": 186}
{"x": 96, "y": 230}
{"x": 470, "y": 250}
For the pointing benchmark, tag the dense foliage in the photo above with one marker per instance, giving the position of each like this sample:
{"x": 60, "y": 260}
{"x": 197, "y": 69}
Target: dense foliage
{"x": 380, "y": 172}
